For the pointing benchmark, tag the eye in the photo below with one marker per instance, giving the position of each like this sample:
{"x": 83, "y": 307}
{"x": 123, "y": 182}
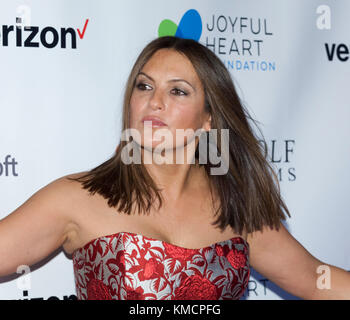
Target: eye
{"x": 142, "y": 86}
{"x": 179, "y": 92}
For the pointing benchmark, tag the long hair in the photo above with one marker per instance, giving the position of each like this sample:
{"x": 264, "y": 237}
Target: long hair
{"x": 249, "y": 193}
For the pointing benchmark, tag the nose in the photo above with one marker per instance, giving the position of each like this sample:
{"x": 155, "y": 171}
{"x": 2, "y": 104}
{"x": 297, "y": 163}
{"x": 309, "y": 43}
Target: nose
{"x": 157, "y": 99}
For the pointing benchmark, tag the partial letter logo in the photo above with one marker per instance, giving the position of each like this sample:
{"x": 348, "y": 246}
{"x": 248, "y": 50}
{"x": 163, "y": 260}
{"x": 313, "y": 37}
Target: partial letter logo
{"x": 190, "y": 26}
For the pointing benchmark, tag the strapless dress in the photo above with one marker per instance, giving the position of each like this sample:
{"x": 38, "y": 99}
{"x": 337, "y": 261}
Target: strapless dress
{"x": 129, "y": 266}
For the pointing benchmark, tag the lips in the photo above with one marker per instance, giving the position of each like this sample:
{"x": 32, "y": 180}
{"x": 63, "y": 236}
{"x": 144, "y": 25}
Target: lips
{"x": 155, "y": 121}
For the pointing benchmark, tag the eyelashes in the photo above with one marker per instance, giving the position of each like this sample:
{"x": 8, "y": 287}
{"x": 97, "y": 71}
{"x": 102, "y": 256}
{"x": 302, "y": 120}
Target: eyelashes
{"x": 177, "y": 91}
{"x": 141, "y": 86}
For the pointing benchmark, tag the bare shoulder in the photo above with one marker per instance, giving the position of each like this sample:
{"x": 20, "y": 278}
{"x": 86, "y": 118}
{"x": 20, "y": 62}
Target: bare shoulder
{"x": 74, "y": 200}
{"x": 260, "y": 241}
{"x": 70, "y": 178}
{"x": 40, "y": 225}
{"x": 281, "y": 258}
{"x": 76, "y": 197}
{"x": 64, "y": 194}
{"x": 57, "y": 194}
{"x": 68, "y": 188}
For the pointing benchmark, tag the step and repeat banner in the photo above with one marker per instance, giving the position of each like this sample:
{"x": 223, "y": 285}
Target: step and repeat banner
{"x": 64, "y": 66}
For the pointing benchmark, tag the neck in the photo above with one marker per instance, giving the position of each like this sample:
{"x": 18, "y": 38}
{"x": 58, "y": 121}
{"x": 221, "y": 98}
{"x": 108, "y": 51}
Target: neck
{"x": 175, "y": 179}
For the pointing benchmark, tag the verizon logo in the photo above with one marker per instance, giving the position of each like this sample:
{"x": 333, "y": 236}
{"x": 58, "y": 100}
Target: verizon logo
{"x": 34, "y": 36}
{"x": 340, "y": 51}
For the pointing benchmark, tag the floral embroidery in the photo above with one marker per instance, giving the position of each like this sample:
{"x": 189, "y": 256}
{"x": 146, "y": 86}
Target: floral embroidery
{"x": 177, "y": 252}
{"x": 237, "y": 259}
{"x": 137, "y": 294}
{"x": 196, "y": 288}
{"x": 128, "y": 266}
{"x": 97, "y": 290}
{"x": 219, "y": 250}
{"x": 151, "y": 269}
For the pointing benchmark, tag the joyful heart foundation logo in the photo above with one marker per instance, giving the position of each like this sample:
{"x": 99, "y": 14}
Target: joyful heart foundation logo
{"x": 190, "y": 26}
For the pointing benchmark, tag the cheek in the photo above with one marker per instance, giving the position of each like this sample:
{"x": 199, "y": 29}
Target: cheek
{"x": 135, "y": 106}
{"x": 187, "y": 118}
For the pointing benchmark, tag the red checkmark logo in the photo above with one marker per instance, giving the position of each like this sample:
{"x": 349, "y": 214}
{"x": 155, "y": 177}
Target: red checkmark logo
{"x": 81, "y": 34}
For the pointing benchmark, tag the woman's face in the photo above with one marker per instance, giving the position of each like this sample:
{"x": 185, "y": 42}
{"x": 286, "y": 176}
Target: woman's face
{"x": 169, "y": 89}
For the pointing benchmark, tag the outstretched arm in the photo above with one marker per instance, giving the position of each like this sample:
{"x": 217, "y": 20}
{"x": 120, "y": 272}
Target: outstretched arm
{"x": 36, "y": 228}
{"x": 282, "y": 259}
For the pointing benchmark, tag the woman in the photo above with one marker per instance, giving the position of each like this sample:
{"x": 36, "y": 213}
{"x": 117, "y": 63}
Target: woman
{"x": 148, "y": 230}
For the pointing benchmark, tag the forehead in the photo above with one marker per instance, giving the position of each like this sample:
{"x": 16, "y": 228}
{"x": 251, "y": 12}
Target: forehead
{"x": 170, "y": 63}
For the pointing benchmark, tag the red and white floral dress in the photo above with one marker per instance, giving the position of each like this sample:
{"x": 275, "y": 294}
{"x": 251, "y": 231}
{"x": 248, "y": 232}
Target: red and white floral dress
{"x": 129, "y": 266}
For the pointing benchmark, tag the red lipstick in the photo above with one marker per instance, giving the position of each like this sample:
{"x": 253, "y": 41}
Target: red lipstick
{"x": 156, "y": 122}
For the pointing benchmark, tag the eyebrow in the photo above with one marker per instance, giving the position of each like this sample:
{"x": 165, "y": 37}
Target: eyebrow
{"x": 172, "y": 80}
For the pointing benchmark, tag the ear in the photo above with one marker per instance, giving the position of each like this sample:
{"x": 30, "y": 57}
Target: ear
{"x": 207, "y": 124}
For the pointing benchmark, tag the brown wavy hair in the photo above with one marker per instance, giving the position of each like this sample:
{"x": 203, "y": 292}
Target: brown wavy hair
{"x": 249, "y": 193}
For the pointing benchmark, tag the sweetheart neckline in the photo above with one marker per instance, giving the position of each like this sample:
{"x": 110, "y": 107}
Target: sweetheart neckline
{"x": 153, "y": 239}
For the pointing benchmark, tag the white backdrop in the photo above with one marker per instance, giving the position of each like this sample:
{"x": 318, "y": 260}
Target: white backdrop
{"x": 289, "y": 61}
